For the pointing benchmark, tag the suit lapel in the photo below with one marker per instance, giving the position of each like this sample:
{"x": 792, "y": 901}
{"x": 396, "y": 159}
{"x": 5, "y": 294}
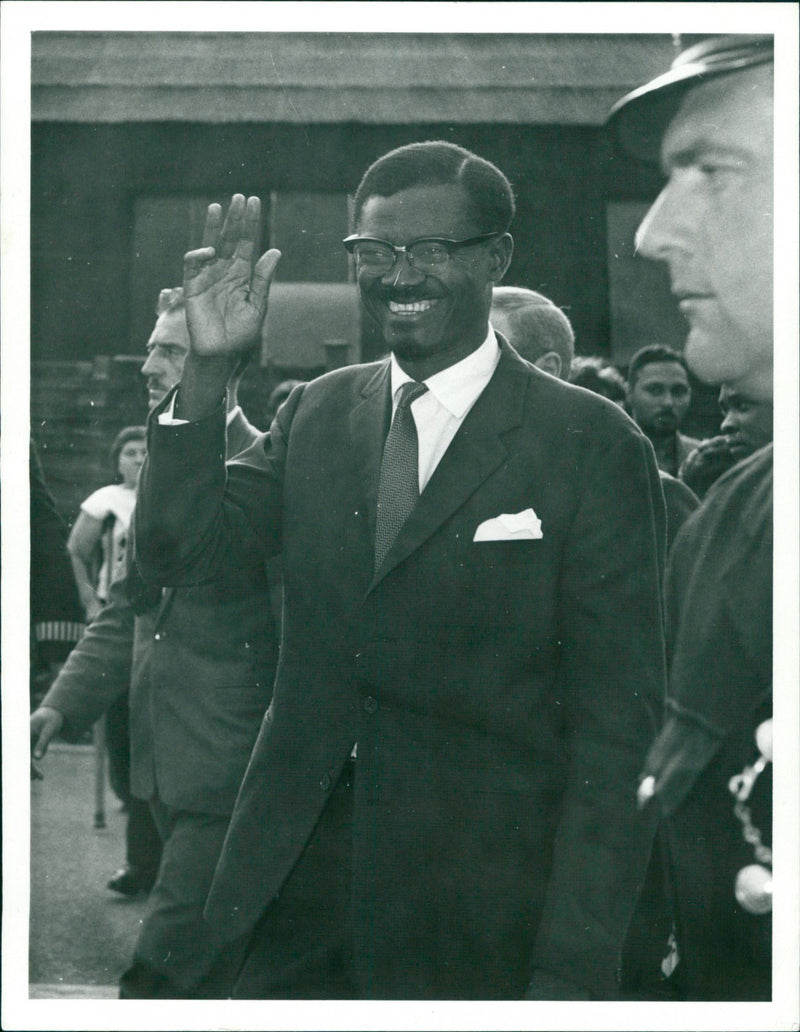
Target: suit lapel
{"x": 369, "y": 424}
{"x": 475, "y": 452}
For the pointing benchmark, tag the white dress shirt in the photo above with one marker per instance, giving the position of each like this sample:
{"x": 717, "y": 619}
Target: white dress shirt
{"x": 451, "y": 393}
{"x": 440, "y": 411}
{"x": 168, "y": 419}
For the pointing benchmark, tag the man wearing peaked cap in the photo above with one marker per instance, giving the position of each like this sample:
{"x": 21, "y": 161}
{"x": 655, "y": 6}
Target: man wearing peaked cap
{"x": 709, "y": 120}
{"x": 641, "y": 117}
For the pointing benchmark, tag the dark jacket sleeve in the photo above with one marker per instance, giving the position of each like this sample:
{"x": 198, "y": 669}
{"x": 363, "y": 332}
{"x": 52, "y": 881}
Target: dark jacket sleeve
{"x": 612, "y": 684}
{"x": 98, "y": 670}
{"x": 196, "y": 515}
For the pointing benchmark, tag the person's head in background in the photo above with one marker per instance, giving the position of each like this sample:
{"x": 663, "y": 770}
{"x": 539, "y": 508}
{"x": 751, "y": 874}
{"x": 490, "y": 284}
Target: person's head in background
{"x": 168, "y": 347}
{"x": 535, "y": 327}
{"x": 595, "y": 374}
{"x": 746, "y": 427}
{"x": 709, "y": 121}
{"x": 127, "y": 455}
{"x": 746, "y": 424}
{"x": 659, "y": 393}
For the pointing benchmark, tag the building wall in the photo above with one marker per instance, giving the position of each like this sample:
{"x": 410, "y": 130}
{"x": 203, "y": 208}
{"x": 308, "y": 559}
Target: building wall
{"x": 87, "y": 181}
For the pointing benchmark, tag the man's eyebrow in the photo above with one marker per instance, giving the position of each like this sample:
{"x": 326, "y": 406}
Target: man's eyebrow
{"x": 701, "y": 150}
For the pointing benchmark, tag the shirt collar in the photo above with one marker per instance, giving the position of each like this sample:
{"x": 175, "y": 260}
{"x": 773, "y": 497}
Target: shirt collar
{"x": 457, "y": 387}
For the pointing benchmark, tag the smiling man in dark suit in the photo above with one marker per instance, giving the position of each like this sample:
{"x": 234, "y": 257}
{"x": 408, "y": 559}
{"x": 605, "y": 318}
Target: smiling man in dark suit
{"x": 472, "y": 555}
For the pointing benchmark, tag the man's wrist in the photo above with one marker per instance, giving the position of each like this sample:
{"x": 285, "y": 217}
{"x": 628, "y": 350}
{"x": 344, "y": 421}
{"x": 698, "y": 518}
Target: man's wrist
{"x": 203, "y": 385}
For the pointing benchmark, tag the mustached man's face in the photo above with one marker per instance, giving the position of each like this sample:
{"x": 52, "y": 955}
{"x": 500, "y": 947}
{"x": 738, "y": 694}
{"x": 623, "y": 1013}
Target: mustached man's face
{"x": 712, "y": 225}
{"x": 431, "y": 319}
{"x": 660, "y": 397}
{"x": 166, "y": 353}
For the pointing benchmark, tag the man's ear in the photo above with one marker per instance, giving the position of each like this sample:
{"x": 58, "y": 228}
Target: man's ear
{"x": 500, "y": 252}
{"x": 549, "y": 362}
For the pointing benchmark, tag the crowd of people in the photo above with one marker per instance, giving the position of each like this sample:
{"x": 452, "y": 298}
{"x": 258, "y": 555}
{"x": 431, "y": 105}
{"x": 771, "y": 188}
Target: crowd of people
{"x": 456, "y": 683}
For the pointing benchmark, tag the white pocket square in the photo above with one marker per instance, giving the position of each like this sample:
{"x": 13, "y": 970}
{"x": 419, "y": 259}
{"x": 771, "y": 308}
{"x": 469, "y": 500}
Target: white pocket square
{"x": 511, "y": 526}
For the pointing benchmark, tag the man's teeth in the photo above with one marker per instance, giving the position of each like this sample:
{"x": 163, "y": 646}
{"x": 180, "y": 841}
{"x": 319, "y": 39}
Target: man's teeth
{"x": 409, "y": 309}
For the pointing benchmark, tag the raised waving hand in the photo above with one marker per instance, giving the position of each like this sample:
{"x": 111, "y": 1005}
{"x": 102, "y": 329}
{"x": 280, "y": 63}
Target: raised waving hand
{"x": 225, "y": 287}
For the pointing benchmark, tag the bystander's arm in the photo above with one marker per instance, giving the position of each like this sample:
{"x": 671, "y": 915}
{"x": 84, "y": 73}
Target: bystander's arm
{"x": 96, "y": 673}
{"x": 82, "y": 545}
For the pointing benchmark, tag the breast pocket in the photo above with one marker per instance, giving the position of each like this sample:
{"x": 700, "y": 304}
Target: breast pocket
{"x": 505, "y": 554}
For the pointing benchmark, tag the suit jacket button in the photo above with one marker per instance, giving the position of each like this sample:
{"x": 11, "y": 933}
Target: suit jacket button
{"x": 370, "y": 704}
{"x": 325, "y": 782}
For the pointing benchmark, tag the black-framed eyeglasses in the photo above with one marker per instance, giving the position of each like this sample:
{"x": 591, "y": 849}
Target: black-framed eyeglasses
{"x": 427, "y": 253}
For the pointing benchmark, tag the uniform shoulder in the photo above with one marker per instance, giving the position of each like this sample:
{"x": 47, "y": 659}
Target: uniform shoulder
{"x": 745, "y": 476}
{"x": 738, "y": 504}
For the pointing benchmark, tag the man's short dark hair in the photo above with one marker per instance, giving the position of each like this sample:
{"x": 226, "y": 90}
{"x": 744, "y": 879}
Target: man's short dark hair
{"x": 650, "y": 354}
{"x": 598, "y": 376}
{"x": 439, "y": 163}
{"x": 536, "y": 324}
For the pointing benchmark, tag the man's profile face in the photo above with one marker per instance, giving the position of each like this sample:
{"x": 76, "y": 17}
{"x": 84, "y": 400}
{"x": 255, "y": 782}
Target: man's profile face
{"x": 747, "y": 424}
{"x": 167, "y": 349}
{"x": 436, "y": 317}
{"x": 712, "y": 224}
{"x": 659, "y": 397}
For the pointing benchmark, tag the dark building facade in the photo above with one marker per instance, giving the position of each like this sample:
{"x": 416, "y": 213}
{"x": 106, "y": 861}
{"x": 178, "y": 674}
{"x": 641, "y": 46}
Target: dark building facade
{"x": 134, "y": 134}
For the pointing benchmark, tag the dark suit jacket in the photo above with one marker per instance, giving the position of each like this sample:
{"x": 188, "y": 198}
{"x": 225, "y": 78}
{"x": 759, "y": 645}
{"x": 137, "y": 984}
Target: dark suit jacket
{"x": 200, "y": 663}
{"x": 498, "y": 691}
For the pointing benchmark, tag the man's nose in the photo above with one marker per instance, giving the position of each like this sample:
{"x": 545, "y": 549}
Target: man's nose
{"x": 150, "y": 364}
{"x": 664, "y": 229}
{"x": 728, "y": 424}
{"x": 402, "y": 271}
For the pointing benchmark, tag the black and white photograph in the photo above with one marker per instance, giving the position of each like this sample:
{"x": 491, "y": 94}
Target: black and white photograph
{"x": 400, "y": 464}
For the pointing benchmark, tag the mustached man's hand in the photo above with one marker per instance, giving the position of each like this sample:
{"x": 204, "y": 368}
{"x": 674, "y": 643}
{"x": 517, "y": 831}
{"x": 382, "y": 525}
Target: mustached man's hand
{"x": 46, "y": 723}
{"x": 225, "y": 288}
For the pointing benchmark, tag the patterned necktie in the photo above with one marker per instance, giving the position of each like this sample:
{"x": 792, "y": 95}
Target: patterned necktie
{"x": 398, "y": 491}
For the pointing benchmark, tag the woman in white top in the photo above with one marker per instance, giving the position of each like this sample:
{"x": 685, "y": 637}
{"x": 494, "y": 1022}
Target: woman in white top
{"x": 103, "y": 521}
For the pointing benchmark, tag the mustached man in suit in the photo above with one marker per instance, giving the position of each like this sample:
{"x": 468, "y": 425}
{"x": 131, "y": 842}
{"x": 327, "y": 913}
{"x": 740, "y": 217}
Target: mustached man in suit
{"x": 440, "y": 803}
{"x": 200, "y": 663}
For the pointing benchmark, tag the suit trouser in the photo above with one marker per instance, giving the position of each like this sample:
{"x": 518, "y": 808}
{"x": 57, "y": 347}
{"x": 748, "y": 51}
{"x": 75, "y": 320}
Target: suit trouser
{"x": 178, "y": 955}
{"x": 301, "y": 948}
{"x": 142, "y": 838}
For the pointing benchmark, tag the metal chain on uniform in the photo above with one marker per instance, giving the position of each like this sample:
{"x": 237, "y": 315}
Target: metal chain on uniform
{"x": 753, "y": 888}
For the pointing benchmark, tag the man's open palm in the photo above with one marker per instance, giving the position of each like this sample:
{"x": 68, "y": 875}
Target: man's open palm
{"x": 225, "y": 288}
